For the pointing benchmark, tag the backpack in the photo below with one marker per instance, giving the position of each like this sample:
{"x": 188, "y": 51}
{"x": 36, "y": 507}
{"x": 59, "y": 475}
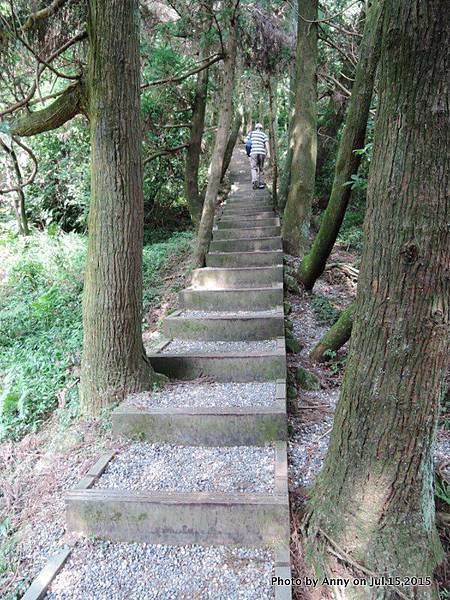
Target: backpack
{"x": 248, "y": 145}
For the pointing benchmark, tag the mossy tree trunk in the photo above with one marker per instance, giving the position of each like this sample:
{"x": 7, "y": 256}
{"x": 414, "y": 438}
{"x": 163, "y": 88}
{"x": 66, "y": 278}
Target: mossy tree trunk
{"x": 272, "y": 86}
{"x": 297, "y": 213}
{"x": 223, "y": 128}
{"x": 347, "y": 162}
{"x": 374, "y": 498}
{"x": 194, "y": 149}
{"x": 336, "y": 336}
{"x": 114, "y": 362}
{"x": 232, "y": 139}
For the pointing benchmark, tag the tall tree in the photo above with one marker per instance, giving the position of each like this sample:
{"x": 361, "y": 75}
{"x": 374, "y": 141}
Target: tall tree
{"x": 193, "y": 152}
{"x": 232, "y": 139}
{"x": 374, "y": 501}
{"x": 297, "y": 213}
{"x": 223, "y": 128}
{"x": 114, "y": 361}
{"x": 347, "y": 162}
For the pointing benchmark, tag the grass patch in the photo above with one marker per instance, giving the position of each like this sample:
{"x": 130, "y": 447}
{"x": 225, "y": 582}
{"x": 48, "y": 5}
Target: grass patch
{"x": 41, "y": 284}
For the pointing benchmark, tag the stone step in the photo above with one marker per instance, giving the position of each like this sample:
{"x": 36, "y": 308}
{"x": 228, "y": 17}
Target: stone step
{"x": 202, "y": 325}
{"x": 261, "y": 298}
{"x": 223, "y": 365}
{"x": 246, "y": 245}
{"x": 253, "y": 232}
{"x": 244, "y": 259}
{"x": 216, "y": 278}
{"x": 265, "y": 214}
{"x": 248, "y": 222}
{"x": 248, "y": 207}
{"x": 143, "y": 418}
{"x": 177, "y": 517}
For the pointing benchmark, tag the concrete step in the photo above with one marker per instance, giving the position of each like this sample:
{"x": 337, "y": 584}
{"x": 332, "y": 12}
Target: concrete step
{"x": 265, "y": 214}
{"x": 223, "y": 366}
{"x": 243, "y": 207}
{"x": 204, "y": 425}
{"x": 246, "y": 245}
{"x": 253, "y": 232}
{"x": 171, "y": 517}
{"x": 255, "y": 325}
{"x": 216, "y": 278}
{"x": 261, "y": 298}
{"x": 244, "y": 259}
{"x": 246, "y": 223}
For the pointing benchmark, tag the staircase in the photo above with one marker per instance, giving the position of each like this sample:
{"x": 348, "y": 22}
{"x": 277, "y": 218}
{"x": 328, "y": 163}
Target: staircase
{"x": 225, "y": 347}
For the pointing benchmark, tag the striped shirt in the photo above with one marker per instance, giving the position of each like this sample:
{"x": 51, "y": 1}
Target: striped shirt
{"x": 259, "y": 139}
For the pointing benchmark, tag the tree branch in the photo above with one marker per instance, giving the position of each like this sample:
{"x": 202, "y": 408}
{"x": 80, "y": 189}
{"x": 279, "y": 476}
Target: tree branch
{"x": 13, "y": 156}
{"x": 64, "y": 108}
{"x": 165, "y": 152}
{"x": 204, "y": 64}
{"x": 41, "y": 68}
{"x": 44, "y": 13}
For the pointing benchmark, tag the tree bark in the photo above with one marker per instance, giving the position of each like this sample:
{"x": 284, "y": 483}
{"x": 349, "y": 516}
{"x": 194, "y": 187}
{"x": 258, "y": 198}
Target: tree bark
{"x": 232, "y": 139}
{"x": 273, "y": 139}
{"x": 348, "y": 161}
{"x": 297, "y": 213}
{"x": 64, "y": 108}
{"x": 374, "y": 498}
{"x": 336, "y": 337}
{"x": 114, "y": 362}
{"x": 194, "y": 149}
{"x": 192, "y": 162}
{"x": 215, "y": 168}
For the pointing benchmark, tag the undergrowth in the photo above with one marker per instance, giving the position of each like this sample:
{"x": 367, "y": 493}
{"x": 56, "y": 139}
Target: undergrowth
{"x": 41, "y": 283}
{"x": 324, "y": 310}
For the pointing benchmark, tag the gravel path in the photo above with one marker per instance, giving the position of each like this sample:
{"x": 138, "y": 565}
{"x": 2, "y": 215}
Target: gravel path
{"x": 231, "y": 313}
{"x": 99, "y": 570}
{"x": 198, "y": 346}
{"x": 165, "y": 467}
{"x": 207, "y": 394}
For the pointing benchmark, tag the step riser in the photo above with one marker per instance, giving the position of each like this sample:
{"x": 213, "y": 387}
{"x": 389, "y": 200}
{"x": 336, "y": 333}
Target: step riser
{"x": 248, "y": 207}
{"x": 202, "y": 429}
{"x": 245, "y": 245}
{"x": 225, "y": 278}
{"x": 256, "y": 232}
{"x": 257, "y": 299}
{"x": 250, "y": 259}
{"x": 144, "y": 518}
{"x": 221, "y": 368}
{"x": 248, "y": 210}
{"x": 246, "y": 223}
{"x": 224, "y": 329}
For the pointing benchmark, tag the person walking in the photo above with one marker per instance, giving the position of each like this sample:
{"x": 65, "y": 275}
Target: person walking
{"x": 258, "y": 144}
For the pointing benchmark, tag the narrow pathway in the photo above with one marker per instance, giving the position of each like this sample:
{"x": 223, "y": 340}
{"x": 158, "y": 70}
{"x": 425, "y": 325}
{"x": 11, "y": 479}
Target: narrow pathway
{"x": 205, "y": 463}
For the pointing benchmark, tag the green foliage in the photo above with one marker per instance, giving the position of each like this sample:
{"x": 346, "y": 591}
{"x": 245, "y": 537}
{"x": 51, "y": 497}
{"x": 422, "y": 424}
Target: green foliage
{"x": 442, "y": 491}
{"x": 324, "y": 310}
{"x": 61, "y": 191}
{"x": 351, "y": 232}
{"x": 41, "y": 321}
{"x": 40, "y": 327}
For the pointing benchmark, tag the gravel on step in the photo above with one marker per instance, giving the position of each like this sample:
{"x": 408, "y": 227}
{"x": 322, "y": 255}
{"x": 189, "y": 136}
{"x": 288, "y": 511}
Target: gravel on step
{"x": 197, "y": 314}
{"x": 103, "y": 570}
{"x": 201, "y": 347}
{"x": 252, "y": 394}
{"x": 166, "y": 467}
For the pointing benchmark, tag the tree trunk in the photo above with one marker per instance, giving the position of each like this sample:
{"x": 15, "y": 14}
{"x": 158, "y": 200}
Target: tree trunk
{"x": 348, "y": 161}
{"x": 336, "y": 337}
{"x": 297, "y": 213}
{"x": 374, "y": 498}
{"x": 194, "y": 149}
{"x": 232, "y": 139}
{"x": 273, "y": 139}
{"x": 327, "y": 134}
{"x": 19, "y": 199}
{"x": 114, "y": 362}
{"x": 215, "y": 168}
